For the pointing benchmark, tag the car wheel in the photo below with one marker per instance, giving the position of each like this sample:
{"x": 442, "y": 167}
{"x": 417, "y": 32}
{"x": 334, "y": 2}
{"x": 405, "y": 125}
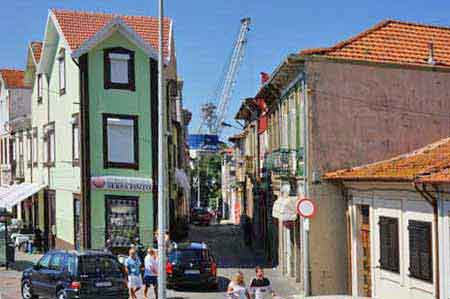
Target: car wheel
{"x": 27, "y": 293}
{"x": 61, "y": 295}
{"x": 214, "y": 286}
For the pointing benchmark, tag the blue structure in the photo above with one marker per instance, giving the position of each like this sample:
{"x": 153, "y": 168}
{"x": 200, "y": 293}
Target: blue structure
{"x": 204, "y": 142}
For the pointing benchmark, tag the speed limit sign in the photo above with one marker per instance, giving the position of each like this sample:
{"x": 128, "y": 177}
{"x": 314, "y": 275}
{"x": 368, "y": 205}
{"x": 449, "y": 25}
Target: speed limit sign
{"x": 306, "y": 208}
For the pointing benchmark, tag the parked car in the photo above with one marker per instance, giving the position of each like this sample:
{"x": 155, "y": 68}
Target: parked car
{"x": 200, "y": 216}
{"x": 191, "y": 264}
{"x": 71, "y": 274}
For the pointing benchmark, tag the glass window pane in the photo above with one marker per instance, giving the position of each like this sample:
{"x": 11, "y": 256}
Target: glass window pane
{"x": 121, "y": 140}
{"x": 122, "y": 215}
{"x": 119, "y": 70}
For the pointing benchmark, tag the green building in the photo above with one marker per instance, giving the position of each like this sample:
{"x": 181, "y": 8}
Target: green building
{"x": 93, "y": 147}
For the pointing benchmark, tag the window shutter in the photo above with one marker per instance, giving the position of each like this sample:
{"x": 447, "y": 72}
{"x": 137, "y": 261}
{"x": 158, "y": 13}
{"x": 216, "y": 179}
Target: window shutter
{"x": 389, "y": 244}
{"x": 420, "y": 250}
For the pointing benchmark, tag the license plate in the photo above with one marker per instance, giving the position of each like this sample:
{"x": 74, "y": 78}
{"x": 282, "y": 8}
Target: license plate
{"x": 103, "y": 284}
{"x": 192, "y": 272}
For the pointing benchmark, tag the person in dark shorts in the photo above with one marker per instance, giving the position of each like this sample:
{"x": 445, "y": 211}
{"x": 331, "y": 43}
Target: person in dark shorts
{"x": 151, "y": 272}
{"x": 260, "y": 286}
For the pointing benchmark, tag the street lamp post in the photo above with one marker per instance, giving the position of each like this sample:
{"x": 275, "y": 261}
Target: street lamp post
{"x": 162, "y": 209}
{"x": 198, "y": 182}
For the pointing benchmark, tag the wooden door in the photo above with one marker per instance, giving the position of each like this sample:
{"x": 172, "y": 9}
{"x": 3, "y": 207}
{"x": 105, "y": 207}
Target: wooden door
{"x": 50, "y": 219}
{"x": 366, "y": 254}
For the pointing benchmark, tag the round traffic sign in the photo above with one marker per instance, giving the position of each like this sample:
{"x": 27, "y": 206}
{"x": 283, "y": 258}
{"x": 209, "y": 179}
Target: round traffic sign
{"x": 306, "y": 208}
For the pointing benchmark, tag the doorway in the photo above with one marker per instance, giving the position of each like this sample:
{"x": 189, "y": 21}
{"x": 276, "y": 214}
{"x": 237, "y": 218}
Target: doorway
{"x": 77, "y": 221}
{"x": 50, "y": 219}
{"x": 365, "y": 252}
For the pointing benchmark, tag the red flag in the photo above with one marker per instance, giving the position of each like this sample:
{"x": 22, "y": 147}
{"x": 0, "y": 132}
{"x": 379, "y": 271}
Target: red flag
{"x": 264, "y": 77}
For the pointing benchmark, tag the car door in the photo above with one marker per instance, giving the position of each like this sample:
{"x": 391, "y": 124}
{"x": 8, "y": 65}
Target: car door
{"x": 53, "y": 275}
{"x": 37, "y": 277}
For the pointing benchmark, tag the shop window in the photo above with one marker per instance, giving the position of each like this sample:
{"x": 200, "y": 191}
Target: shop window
{"x": 420, "y": 250}
{"x": 119, "y": 69}
{"x": 389, "y": 244}
{"x": 40, "y": 88}
{"x": 49, "y": 145}
{"x": 62, "y": 71}
{"x": 120, "y": 141}
{"x": 122, "y": 216}
{"x": 75, "y": 140}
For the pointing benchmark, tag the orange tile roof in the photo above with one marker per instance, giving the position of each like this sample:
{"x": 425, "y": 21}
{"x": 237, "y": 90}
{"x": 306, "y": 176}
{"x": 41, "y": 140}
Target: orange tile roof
{"x": 393, "y": 42}
{"x": 423, "y": 162}
{"x": 13, "y": 78}
{"x": 78, "y": 27}
{"x": 436, "y": 178}
{"x": 36, "y": 47}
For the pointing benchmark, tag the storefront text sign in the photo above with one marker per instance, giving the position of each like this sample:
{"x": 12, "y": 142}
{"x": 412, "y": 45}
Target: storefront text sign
{"x": 117, "y": 183}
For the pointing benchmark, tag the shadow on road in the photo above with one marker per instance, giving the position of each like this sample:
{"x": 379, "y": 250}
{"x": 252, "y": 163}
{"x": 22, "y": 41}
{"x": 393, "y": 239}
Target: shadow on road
{"x": 227, "y": 245}
{"x": 21, "y": 265}
{"x": 222, "y": 287}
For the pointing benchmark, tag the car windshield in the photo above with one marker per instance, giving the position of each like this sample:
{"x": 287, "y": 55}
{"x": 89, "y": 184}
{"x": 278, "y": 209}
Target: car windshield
{"x": 187, "y": 255}
{"x": 99, "y": 264}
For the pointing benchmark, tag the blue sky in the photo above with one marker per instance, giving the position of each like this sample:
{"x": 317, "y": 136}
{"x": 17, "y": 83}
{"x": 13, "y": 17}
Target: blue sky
{"x": 206, "y": 29}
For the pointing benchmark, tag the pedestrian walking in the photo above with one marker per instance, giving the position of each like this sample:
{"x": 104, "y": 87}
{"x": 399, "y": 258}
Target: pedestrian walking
{"x": 260, "y": 286}
{"x": 236, "y": 288}
{"x": 151, "y": 272}
{"x": 133, "y": 269}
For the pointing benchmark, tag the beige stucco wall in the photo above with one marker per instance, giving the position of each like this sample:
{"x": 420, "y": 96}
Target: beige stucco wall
{"x": 360, "y": 114}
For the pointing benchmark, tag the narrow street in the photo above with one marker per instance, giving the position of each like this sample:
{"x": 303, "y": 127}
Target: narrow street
{"x": 227, "y": 246}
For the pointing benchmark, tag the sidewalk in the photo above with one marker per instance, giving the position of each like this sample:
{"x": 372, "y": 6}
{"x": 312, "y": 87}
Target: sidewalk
{"x": 10, "y": 279}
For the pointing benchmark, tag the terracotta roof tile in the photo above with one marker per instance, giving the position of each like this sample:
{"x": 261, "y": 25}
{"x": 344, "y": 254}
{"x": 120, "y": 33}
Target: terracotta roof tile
{"x": 36, "y": 47}
{"x": 439, "y": 177}
{"x": 78, "y": 27}
{"x": 393, "y": 42}
{"x": 423, "y": 162}
{"x": 13, "y": 78}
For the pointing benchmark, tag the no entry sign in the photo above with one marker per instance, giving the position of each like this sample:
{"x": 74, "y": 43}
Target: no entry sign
{"x": 306, "y": 208}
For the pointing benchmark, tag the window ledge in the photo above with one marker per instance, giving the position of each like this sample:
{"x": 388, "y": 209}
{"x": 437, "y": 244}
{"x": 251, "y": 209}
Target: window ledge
{"x": 49, "y": 164}
{"x": 109, "y": 164}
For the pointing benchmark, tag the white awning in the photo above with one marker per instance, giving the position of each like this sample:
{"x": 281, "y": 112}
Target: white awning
{"x": 14, "y": 194}
{"x": 182, "y": 180}
{"x": 285, "y": 208}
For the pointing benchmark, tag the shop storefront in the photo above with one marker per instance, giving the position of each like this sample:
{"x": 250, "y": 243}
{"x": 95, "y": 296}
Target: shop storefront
{"x": 127, "y": 207}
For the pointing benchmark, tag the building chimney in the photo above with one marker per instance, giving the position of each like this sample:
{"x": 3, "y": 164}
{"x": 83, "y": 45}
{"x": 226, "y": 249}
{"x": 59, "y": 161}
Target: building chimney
{"x": 431, "y": 59}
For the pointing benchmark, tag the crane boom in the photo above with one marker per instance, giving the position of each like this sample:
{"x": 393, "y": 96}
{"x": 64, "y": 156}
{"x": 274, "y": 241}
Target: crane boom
{"x": 214, "y": 114}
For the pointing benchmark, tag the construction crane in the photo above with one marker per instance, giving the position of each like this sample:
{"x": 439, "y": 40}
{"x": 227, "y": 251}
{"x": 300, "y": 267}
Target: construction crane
{"x": 214, "y": 111}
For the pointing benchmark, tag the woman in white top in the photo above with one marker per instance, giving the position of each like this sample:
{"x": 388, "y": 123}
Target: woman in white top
{"x": 151, "y": 272}
{"x": 236, "y": 288}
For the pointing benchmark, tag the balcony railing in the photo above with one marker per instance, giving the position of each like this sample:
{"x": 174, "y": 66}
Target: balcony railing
{"x": 285, "y": 162}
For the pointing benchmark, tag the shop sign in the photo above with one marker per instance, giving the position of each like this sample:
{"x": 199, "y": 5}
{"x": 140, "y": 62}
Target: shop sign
{"x": 117, "y": 183}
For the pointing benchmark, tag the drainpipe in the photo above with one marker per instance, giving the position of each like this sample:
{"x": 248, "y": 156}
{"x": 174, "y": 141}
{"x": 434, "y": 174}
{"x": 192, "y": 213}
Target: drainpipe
{"x": 435, "y": 203}
{"x": 306, "y": 224}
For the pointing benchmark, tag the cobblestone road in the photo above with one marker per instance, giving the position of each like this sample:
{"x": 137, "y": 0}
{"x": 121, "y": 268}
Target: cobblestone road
{"x": 226, "y": 244}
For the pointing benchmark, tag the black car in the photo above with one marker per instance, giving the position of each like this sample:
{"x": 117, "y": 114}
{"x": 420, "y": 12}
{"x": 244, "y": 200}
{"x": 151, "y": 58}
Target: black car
{"x": 191, "y": 264}
{"x": 75, "y": 275}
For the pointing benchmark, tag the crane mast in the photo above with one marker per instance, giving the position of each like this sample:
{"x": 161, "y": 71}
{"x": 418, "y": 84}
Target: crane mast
{"x": 213, "y": 115}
